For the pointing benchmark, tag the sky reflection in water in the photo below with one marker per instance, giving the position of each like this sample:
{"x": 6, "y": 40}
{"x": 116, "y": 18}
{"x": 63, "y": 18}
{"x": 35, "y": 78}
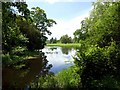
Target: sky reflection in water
{"x": 59, "y": 57}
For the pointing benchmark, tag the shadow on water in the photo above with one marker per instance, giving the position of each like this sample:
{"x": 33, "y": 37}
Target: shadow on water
{"x": 25, "y": 72}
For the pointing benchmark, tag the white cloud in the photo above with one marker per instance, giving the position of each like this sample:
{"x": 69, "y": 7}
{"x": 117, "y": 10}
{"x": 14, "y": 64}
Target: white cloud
{"x": 52, "y": 1}
{"x": 67, "y": 27}
{"x": 55, "y": 1}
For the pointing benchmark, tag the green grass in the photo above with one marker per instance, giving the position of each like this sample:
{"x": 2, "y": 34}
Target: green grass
{"x": 67, "y": 78}
{"x": 65, "y": 45}
{"x": 13, "y": 59}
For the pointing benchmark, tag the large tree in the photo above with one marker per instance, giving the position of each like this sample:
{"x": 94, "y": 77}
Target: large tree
{"x": 26, "y": 29}
{"x": 99, "y": 53}
{"x": 11, "y": 35}
{"x": 41, "y": 21}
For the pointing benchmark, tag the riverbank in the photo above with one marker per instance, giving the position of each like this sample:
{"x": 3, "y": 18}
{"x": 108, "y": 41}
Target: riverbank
{"x": 67, "y": 78}
{"x": 13, "y": 59}
{"x": 65, "y": 45}
{"x": 23, "y": 70}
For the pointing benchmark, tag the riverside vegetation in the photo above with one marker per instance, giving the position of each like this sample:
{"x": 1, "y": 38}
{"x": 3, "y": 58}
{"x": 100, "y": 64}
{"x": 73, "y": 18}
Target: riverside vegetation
{"x": 97, "y": 62}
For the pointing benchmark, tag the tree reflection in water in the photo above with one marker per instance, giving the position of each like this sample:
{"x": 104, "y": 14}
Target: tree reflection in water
{"x": 66, "y": 50}
{"x": 29, "y": 71}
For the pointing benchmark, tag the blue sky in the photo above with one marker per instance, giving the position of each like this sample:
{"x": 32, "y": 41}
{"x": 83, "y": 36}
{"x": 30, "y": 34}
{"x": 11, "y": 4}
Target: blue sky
{"x": 68, "y": 15}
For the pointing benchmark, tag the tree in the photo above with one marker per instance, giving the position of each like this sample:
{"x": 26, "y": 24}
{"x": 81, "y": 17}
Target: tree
{"x": 11, "y": 35}
{"x": 99, "y": 53}
{"x": 53, "y": 40}
{"x": 38, "y": 30}
{"x": 81, "y": 34}
{"x": 35, "y": 39}
{"x": 41, "y": 21}
{"x": 66, "y": 39}
{"x": 34, "y": 30}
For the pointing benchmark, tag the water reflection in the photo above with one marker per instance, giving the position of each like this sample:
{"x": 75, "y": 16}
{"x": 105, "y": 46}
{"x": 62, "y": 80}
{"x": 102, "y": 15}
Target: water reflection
{"x": 22, "y": 73}
{"x": 66, "y": 50}
{"x": 53, "y": 48}
{"x": 59, "y": 57}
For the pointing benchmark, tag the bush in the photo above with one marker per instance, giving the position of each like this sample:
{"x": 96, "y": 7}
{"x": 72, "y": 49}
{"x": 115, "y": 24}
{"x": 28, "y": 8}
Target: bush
{"x": 95, "y": 63}
{"x": 48, "y": 81}
{"x": 67, "y": 78}
{"x": 107, "y": 82}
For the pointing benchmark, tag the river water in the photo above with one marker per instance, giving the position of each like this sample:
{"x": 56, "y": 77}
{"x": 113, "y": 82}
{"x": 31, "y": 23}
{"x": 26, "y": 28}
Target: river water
{"x": 59, "y": 57}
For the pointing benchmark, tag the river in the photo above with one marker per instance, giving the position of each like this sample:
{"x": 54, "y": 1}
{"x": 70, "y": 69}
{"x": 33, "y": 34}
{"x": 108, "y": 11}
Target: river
{"x": 59, "y": 57}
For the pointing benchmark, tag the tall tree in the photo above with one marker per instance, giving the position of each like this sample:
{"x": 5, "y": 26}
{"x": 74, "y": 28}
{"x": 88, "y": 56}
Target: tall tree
{"x": 38, "y": 38}
{"x": 98, "y": 55}
{"x": 11, "y": 35}
{"x": 41, "y": 21}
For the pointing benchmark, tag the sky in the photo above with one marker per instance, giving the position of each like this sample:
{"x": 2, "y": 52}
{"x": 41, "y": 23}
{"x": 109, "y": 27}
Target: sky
{"x": 67, "y": 14}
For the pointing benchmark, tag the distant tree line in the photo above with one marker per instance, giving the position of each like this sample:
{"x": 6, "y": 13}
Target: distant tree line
{"x": 63, "y": 39}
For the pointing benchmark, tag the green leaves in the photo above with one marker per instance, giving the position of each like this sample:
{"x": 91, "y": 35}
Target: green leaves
{"x": 65, "y": 39}
{"x": 11, "y": 34}
{"x": 98, "y": 54}
{"x": 24, "y": 28}
{"x": 41, "y": 21}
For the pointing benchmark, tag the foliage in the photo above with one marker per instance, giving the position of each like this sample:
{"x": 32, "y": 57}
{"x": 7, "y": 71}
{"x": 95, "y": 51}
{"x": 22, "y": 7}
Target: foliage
{"x": 66, "y": 39}
{"x": 11, "y": 35}
{"x": 108, "y": 81}
{"x": 99, "y": 53}
{"x": 67, "y": 78}
{"x": 98, "y": 58}
{"x": 80, "y": 34}
{"x": 53, "y": 40}
{"x": 36, "y": 30}
{"x": 48, "y": 81}
{"x": 23, "y": 30}
{"x": 40, "y": 20}
{"x": 35, "y": 39}
{"x": 18, "y": 54}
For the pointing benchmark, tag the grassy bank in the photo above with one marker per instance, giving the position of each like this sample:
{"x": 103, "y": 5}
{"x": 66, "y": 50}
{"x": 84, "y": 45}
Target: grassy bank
{"x": 67, "y": 78}
{"x": 65, "y": 45}
{"x": 10, "y": 59}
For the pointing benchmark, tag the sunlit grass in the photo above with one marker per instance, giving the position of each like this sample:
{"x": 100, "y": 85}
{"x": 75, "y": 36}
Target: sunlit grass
{"x": 65, "y": 45}
{"x": 67, "y": 78}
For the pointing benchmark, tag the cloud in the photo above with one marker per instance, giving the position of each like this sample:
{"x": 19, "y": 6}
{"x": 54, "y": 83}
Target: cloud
{"x": 52, "y": 1}
{"x": 55, "y": 1}
{"x": 67, "y": 27}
